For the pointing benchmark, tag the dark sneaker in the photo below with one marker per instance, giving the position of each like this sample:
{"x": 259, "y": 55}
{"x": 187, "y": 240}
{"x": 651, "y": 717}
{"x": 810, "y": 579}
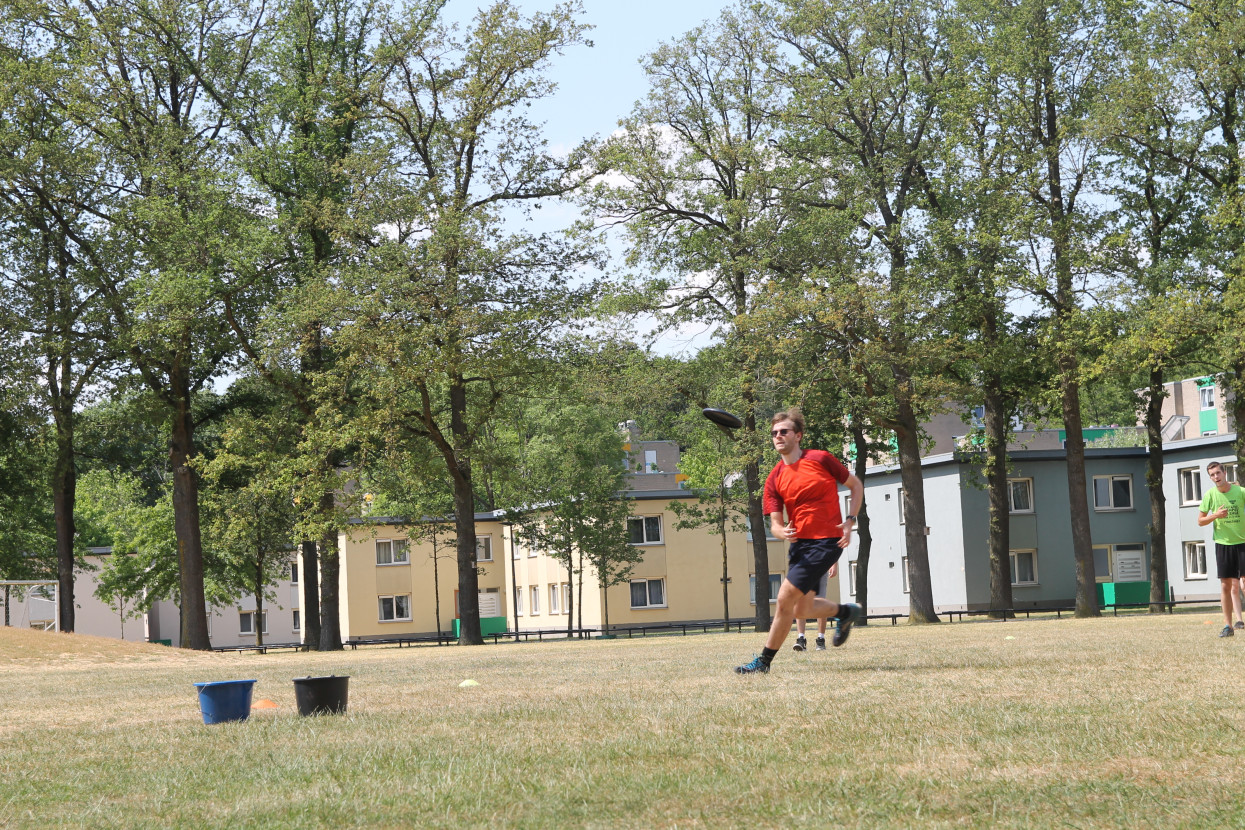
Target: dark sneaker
{"x": 800, "y": 644}
{"x": 821, "y": 643}
{"x": 1239, "y": 625}
{"x": 1227, "y": 631}
{"x": 755, "y": 667}
{"x": 844, "y": 627}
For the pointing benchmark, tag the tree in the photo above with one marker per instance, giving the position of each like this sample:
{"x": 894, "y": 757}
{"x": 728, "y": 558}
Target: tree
{"x": 576, "y": 512}
{"x": 251, "y": 514}
{"x": 138, "y": 83}
{"x": 721, "y": 501}
{"x": 453, "y": 311}
{"x": 696, "y": 183}
{"x": 867, "y": 83}
{"x": 42, "y": 279}
{"x": 1161, "y": 238}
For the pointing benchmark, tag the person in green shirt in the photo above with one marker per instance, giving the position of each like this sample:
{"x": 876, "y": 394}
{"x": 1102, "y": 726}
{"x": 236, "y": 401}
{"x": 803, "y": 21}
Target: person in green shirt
{"x": 1225, "y": 508}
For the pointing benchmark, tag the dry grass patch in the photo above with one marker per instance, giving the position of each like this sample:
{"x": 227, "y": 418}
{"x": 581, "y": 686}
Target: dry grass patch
{"x": 1094, "y": 723}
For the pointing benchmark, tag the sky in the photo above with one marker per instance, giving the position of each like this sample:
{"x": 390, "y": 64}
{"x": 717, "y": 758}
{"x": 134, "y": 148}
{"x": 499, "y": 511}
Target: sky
{"x": 600, "y": 84}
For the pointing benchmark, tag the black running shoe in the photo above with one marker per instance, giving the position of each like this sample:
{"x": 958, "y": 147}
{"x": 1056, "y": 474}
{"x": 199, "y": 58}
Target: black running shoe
{"x": 821, "y": 643}
{"x": 844, "y": 627}
{"x": 800, "y": 644}
{"x": 1227, "y": 631}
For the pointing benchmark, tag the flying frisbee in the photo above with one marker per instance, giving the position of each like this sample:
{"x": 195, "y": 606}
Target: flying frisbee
{"x": 722, "y": 418}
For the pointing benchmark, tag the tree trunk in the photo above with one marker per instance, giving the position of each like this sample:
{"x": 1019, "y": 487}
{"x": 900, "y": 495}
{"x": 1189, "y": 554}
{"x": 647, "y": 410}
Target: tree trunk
{"x": 920, "y": 588}
{"x": 436, "y": 583}
{"x": 311, "y": 596}
{"x": 864, "y": 531}
{"x": 1078, "y": 496}
{"x": 760, "y": 547}
{"x": 1000, "y": 505}
{"x": 330, "y": 606}
{"x": 1154, "y": 484}
{"x": 570, "y": 612}
{"x": 259, "y": 600}
{"x": 64, "y": 494}
{"x": 194, "y": 630}
{"x": 726, "y": 593}
{"x": 464, "y": 521}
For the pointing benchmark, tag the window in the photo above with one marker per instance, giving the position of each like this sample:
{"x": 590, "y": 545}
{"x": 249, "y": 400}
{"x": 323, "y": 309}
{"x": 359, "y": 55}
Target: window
{"x": 907, "y": 581}
{"x": 553, "y": 598}
{"x": 1024, "y": 567}
{"x": 246, "y": 622}
{"x": 518, "y": 600}
{"x": 395, "y": 608}
{"x": 644, "y": 530}
{"x": 535, "y": 599}
{"x": 566, "y": 595}
{"x": 1020, "y": 495}
{"x": 1206, "y": 395}
{"x": 775, "y": 582}
{"x": 769, "y": 536}
{"x": 484, "y": 548}
{"x": 650, "y": 461}
{"x": 294, "y": 572}
{"x": 901, "y": 505}
{"x": 1195, "y": 560}
{"x": 1229, "y": 472}
{"x": 851, "y": 578}
{"x": 391, "y": 552}
{"x": 1113, "y": 492}
{"x": 1190, "y": 486}
{"x": 648, "y": 593}
{"x": 298, "y": 623}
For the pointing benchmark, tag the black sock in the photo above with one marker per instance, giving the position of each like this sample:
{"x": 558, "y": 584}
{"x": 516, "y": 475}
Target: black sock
{"x": 842, "y": 613}
{"x": 767, "y": 655}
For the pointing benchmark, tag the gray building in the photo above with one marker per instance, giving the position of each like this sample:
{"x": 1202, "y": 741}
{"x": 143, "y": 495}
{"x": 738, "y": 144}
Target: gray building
{"x": 1043, "y": 568}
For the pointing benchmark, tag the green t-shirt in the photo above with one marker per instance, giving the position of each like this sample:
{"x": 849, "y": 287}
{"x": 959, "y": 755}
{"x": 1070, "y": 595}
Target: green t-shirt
{"x": 1229, "y": 530}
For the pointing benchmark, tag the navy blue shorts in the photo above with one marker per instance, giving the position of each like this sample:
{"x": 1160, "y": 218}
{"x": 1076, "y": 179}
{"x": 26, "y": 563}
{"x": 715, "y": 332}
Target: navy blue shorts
{"x": 809, "y": 559}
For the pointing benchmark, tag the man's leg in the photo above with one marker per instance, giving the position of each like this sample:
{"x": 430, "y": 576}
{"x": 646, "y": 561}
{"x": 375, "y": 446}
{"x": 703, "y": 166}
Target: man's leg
{"x": 1230, "y": 600}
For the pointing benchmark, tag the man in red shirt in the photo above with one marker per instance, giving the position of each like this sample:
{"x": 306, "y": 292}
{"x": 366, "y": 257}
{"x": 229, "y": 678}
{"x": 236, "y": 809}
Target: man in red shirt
{"x": 805, "y": 484}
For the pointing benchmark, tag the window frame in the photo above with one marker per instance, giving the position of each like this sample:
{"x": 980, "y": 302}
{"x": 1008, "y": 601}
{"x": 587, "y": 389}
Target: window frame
{"x": 1190, "y": 547}
{"x": 775, "y": 583}
{"x": 851, "y": 578}
{"x": 394, "y": 602}
{"x": 535, "y": 603}
{"x": 1033, "y": 554}
{"x": 518, "y": 601}
{"x": 1011, "y": 502}
{"x": 1205, "y": 392}
{"x": 251, "y": 615}
{"x": 554, "y": 590}
{"x": 1193, "y": 475}
{"x": 1230, "y": 472}
{"x": 904, "y": 575}
{"x": 298, "y": 619}
{"x": 1111, "y": 479}
{"x": 394, "y": 546}
{"x": 648, "y": 593}
{"x": 485, "y": 540}
{"x": 643, "y": 521}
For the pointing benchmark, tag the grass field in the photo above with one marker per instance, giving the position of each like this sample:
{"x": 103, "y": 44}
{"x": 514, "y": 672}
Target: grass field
{"x": 1115, "y": 722}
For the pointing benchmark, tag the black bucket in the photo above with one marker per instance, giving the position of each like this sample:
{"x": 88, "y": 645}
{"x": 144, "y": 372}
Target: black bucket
{"x": 321, "y": 695}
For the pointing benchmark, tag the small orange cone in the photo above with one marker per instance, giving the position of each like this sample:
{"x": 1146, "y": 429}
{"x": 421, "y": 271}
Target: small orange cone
{"x": 263, "y": 704}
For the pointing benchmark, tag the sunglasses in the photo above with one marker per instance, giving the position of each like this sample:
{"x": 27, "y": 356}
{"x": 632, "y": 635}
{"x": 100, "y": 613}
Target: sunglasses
{"x": 774, "y": 433}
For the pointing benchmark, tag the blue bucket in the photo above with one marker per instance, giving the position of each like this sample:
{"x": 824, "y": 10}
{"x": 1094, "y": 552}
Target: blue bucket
{"x": 225, "y": 700}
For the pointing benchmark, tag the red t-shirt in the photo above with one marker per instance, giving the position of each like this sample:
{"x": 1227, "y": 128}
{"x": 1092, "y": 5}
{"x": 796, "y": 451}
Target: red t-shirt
{"x": 809, "y": 490}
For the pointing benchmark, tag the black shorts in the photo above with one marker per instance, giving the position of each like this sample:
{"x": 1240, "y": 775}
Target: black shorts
{"x": 1230, "y": 559}
{"x": 809, "y": 559}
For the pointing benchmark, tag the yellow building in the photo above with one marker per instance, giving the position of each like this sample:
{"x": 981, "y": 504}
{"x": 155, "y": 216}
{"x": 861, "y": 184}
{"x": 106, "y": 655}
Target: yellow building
{"x": 389, "y": 588}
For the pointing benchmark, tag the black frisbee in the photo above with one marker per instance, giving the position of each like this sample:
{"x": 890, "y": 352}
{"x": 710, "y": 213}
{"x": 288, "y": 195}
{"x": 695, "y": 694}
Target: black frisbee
{"x": 722, "y": 418}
